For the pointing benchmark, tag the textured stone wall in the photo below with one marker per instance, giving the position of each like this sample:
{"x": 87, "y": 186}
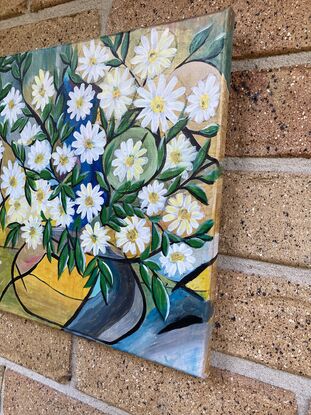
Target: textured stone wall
{"x": 262, "y": 341}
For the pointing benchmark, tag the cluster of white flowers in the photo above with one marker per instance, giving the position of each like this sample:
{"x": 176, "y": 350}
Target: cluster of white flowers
{"x": 159, "y": 101}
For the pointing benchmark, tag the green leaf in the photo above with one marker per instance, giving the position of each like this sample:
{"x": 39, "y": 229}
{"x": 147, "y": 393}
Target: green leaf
{"x": 114, "y": 63}
{"x": 145, "y": 275}
{"x": 19, "y": 124}
{"x": 161, "y": 153}
{"x": 111, "y": 127}
{"x": 165, "y": 244}
{"x": 104, "y": 288}
{"x": 103, "y": 119}
{"x": 160, "y": 297}
{"x": 101, "y": 180}
{"x": 16, "y": 72}
{"x": 114, "y": 226}
{"x": 215, "y": 47}
{"x": 117, "y": 40}
{"x": 27, "y": 63}
{"x": 75, "y": 175}
{"x": 128, "y": 209}
{"x": 12, "y": 237}
{"x": 205, "y": 227}
{"x": 90, "y": 267}
{"x": 199, "y": 39}
{"x": 4, "y": 91}
{"x": 138, "y": 212}
{"x": 2, "y": 216}
{"x": 171, "y": 173}
{"x": 93, "y": 278}
{"x": 156, "y": 237}
{"x": 210, "y": 131}
{"x": 172, "y": 132}
{"x": 145, "y": 254}
{"x": 63, "y": 259}
{"x": 127, "y": 121}
{"x": 195, "y": 242}
{"x": 71, "y": 261}
{"x": 75, "y": 77}
{"x": 211, "y": 177}
{"x": 47, "y": 234}
{"x": 62, "y": 241}
{"x": 120, "y": 212}
{"x": 173, "y": 237}
{"x": 125, "y": 45}
{"x": 27, "y": 192}
{"x": 201, "y": 156}
{"x": 197, "y": 192}
{"x": 173, "y": 186}
{"x": 152, "y": 265}
{"x": 69, "y": 192}
{"x": 46, "y": 175}
{"x": 106, "y": 271}
{"x": 107, "y": 42}
{"x": 104, "y": 215}
{"x": 206, "y": 237}
{"x": 130, "y": 198}
{"x": 79, "y": 257}
{"x": 46, "y": 111}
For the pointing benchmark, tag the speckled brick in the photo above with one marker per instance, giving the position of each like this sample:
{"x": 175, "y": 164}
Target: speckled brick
{"x": 11, "y": 8}
{"x": 78, "y": 27}
{"x": 262, "y": 28}
{"x": 37, "y": 347}
{"x": 270, "y": 113}
{"x": 264, "y": 319}
{"x": 36, "y": 5}
{"x": 24, "y": 396}
{"x": 142, "y": 387}
{"x": 267, "y": 216}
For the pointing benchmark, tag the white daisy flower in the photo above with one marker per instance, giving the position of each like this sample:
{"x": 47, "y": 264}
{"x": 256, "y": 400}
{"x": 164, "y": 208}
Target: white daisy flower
{"x": 152, "y": 197}
{"x": 94, "y": 240}
{"x": 184, "y": 213}
{"x": 134, "y": 237}
{"x": 154, "y": 55}
{"x": 179, "y": 260}
{"x": 204, "y": 100}
{"x": 13, "y": 180}
{"x": 40, "y": 197}
{"x": 1, "y": 149}
{"x": 18, "y": 210}
{"x": 159, "y": 103}
{"x": 39, "y": 155}
{"x": 59, "y": 215}
{"x": 79, "y": 104}
{"x": 32, "y": 232}
{"x": 89, "y": 201}
{"x": 92, "y": 64}
{"x": 129, "y": 161}
{"x": 28, "y": 135}
{"x": 13, "y": 106}
{"x": 90, "y": 142}
{"x": 117, "y": 93}
{"x": 64, "y": 159}
{"x": 42, "y": 89}
{"x": 180, "y": 153}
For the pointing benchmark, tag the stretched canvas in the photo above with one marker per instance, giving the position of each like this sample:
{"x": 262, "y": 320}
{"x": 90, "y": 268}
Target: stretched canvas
{"x": 110, "y": 180}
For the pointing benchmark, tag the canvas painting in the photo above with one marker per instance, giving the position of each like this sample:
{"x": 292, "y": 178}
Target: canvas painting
{"x": 110, "y": 183}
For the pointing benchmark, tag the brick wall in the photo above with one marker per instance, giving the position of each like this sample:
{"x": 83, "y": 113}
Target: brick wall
{"x": 262, "y": 353}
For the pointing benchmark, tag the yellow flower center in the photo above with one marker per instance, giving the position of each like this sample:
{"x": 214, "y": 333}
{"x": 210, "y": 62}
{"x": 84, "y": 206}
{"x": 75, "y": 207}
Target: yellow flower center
{"x": 177, "y": 256}
{"x": 93, "y": 61}
{"x": 17, "y": 205}
{"x": 153, "y": 54}
{"x": 79, "y": 102}
{"x": 157, "y": 104}
{"x": 39, "y": 158}
{"x": 63, "y": 160}
{"x": 89, "y": 202}
{"x": 129, "y": 161}
{"x": 116, "y": 92}
{"x": 132, "y": 235}
{"x": 204, "y": 101}
{"x": 94, "y": 238}
{"x": 176, "y": 156}
{"x": 42, "y": 91}
{"x": 88, "y": 144}
{"x": 184, "y": 214}
{"x": 11, "y": 104}
{"x": 153, "y": 197}
{"x": 32, "y": 231}
{"x": 40, "y": 195}
{"x": 13, "y": 181}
